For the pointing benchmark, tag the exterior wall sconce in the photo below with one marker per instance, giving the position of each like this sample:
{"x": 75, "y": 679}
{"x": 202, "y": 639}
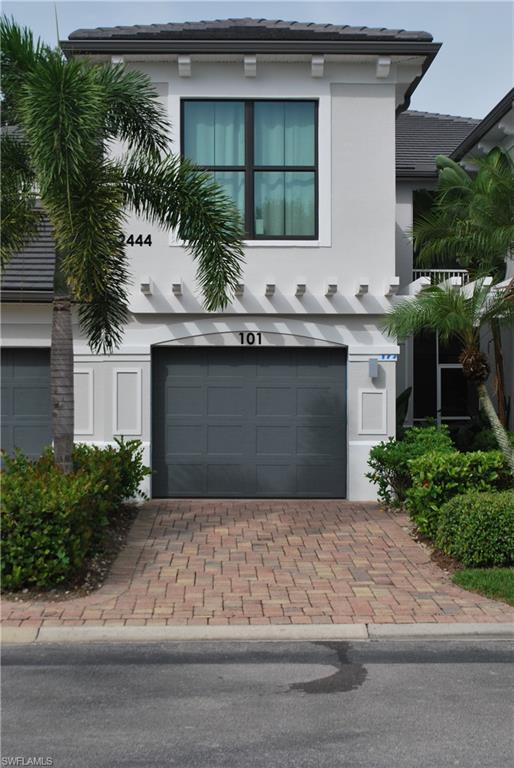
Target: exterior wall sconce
{"x": 362, "y": 287}
{"x": 270, "y": 290}
{"x": 300, "y": 290}
{"x": 239, "y": 289}
{"x": 145, "y": 286}
{"x": 393, "y": 287}
{"x": 184, "y": 66}
{"x": 176, "y": 289}
{"x": 250, "y": 66}
{"x": 373, "y": 368}
{"x": 330, "y": 289}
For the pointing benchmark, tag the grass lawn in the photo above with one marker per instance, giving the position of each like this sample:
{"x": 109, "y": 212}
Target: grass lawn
{"x": 497, "y": 583}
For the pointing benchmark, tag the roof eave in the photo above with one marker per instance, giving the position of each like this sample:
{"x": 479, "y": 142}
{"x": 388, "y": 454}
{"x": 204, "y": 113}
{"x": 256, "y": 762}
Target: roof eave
{"x": 141, "y": 46}
{"x": 489, "y": 121}
{"x": 406, "y": 174}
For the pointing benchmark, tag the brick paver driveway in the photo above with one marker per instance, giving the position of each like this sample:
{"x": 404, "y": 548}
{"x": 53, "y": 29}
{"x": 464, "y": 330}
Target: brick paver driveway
{"x": 267, "y": 562}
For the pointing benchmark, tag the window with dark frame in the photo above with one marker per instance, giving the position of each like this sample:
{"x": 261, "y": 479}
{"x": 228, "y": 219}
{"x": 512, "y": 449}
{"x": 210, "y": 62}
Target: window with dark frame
{"x": 264, "y": 154}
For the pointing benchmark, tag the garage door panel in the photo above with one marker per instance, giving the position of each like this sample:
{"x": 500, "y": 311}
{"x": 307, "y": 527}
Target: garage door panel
{"x": 316, "y": 401}
{"x": 315, "y": 479}
{"x": 275, "y": 401}
{"x": 31, "y": 401}
{"x": 183, "y": 480}
{"x": 268, "y": 366}
{"x": 319, "y": 440}
{"x": 225, "y": 439}
{"x": 185, "y": 400}
{"x": 253, "y": 422}
{"x": 275, "y": 479}
{"x": 26, "y": 404}
{"x": 274, "y": 439}
{"x": 31, "y": 439}
{"x": 226, "y": 401}
{"x": 185, "y": 439}
{"x": 228, "y": 479}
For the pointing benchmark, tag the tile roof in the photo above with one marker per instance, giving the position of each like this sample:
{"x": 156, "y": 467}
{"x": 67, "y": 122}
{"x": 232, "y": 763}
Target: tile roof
{"x": 30, "y": 273}
{"x": 421, "y": 136}
{"x": 247, "y": 29}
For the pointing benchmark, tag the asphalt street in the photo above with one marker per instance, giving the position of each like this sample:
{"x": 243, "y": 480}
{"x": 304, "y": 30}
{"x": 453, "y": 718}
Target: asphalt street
{"x": 259, "y": 705}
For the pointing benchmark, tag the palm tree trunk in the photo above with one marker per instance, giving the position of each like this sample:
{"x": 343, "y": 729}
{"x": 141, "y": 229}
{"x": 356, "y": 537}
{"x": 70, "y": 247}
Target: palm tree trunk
{"x": 61, "y": 375}
{"x": 496, "y": 425}
{"x": 500, "y": 373}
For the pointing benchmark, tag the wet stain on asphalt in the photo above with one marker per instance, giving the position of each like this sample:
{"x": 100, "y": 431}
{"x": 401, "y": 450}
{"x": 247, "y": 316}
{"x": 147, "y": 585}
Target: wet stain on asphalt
{"x": 348, "y": 677}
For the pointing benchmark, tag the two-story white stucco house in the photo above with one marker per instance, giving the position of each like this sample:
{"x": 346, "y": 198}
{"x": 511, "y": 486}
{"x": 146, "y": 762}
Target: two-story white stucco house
{"x": 284, "y": 393}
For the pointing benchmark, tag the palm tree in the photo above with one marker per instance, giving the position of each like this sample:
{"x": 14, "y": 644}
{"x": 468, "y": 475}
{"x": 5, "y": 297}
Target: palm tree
{"x": 471, "y": 223}
{"x": 460, "y": 313}
{"x": 63, "y": 116}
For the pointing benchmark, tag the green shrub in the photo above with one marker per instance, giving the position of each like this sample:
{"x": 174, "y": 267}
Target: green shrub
{"x": 436, "y": 477}
{"x": 478, "y": 528}
{"x": 118, "y": 467}
{"x": 48, "y": 522}
{"x": 389, "y": 460}
{"x": 52, "y": 522}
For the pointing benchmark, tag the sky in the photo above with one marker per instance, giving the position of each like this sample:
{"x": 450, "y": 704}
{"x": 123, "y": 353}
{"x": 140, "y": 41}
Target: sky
{"x": 473, "y": 70}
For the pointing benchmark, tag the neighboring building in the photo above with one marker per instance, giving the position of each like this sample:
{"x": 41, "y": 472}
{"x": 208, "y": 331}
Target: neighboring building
{"x": 496, "y": 130}
{"x": 439, "y": 390}
{"x": 284, "y": 393}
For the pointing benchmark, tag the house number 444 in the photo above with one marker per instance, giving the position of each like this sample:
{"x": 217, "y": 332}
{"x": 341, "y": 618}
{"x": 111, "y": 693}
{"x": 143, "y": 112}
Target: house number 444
{"x": 250, "y": 338}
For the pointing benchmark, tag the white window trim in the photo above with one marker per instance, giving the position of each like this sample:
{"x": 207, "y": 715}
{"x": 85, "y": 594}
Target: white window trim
{"x": 324, "y": 165}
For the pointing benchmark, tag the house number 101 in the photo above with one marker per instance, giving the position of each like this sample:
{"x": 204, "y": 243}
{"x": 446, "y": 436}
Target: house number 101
{"x": 250, "y": 338}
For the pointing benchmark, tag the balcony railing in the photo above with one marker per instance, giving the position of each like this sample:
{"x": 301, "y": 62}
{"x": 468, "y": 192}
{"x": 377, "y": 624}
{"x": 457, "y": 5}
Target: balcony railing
{"x": 440, "y": 275}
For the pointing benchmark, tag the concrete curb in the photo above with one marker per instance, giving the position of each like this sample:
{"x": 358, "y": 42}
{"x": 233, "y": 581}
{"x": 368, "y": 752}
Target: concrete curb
{"x": 255, "y": 633}
{"x": 441, "y": 631}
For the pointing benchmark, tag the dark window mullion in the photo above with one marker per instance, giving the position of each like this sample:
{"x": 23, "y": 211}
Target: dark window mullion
{"x": 249, "y": 193}
{"x": 286, "y": 168}
{"x": 223, "y": 168}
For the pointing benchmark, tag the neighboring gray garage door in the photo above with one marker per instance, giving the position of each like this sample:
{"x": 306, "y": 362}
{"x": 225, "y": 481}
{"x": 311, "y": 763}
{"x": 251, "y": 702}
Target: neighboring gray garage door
{"x": 249, "y": 422}
{"x": 26, "y": 412}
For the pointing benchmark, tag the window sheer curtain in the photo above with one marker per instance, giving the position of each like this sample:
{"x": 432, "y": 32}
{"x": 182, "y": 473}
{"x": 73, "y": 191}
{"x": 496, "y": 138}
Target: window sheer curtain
{"x": 284, "y": 200}
{"x": 215, "y": 136}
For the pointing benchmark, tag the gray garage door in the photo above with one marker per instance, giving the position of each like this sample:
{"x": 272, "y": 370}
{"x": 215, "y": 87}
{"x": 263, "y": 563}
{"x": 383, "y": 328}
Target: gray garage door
{"x": 249, "y": 422}
{"x": 26, "y": 412}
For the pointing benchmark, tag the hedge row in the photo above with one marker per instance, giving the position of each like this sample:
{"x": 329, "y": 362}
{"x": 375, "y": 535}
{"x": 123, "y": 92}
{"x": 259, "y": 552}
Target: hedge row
{"x": 460, "y": 500}
{"x": 51, "y": 522}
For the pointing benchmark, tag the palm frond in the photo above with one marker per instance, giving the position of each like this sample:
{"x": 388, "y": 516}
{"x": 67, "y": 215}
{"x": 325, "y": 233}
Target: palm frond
{"x": 134, "y": 113}
{"x": 19, "y": 53}
{"x": 88, "y": 236}
{"x": 61, "y": 106}
{"x": 471, "y": 222}
{"x": 20, "y": 218}
{"x": 176, "y": 195}
{"x": 445, "y": 310}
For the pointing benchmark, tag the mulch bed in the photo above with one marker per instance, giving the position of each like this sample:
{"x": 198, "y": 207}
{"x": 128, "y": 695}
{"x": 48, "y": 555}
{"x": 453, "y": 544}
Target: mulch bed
{"x": 96, "y": 568}
{"x": 445, "y": 562}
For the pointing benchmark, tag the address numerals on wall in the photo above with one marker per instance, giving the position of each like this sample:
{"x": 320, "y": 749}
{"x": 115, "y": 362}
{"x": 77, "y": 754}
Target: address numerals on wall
{"x": 136, "y": 240}
{"x": 248, "y": 338}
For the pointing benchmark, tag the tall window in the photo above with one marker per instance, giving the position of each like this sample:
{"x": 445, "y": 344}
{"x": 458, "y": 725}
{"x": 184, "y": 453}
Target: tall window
{"x": 264, "y": 154}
